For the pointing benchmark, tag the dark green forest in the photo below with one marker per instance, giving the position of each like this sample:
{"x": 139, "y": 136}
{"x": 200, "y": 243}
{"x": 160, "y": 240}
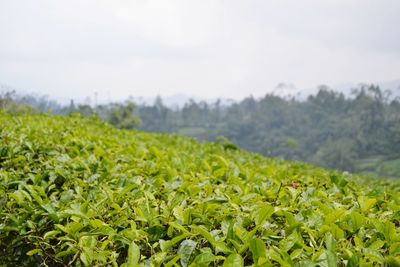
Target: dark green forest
{"x": 360, "y": 133}
{"x": 356, "y": 133}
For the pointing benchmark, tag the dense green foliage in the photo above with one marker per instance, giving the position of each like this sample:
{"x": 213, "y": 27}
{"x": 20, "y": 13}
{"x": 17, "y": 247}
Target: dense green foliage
{"x": 357, "y": 134}
{"x": 79, "y": 192}
{"x": 360, "y": 133}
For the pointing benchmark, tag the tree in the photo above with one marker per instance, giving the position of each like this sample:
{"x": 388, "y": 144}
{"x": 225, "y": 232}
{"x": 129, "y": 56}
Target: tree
{"x": 122, "y": 116}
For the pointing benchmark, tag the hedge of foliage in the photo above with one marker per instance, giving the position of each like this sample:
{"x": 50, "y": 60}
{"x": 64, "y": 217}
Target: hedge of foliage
{"x": 78, "y": 192}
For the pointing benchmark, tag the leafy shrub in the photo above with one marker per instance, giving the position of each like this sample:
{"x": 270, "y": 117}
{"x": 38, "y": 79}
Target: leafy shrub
{"x": 78, "y": 192}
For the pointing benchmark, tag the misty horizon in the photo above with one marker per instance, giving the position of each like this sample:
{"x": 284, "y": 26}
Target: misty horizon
{"x": 286, "y": 91}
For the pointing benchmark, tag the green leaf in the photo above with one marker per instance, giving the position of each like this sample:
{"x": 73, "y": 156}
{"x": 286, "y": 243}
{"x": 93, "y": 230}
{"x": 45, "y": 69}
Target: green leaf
{"x": 234, "y": 260}
{"x": 353, "y": 261}
{"x": 87, "y": 257}
{"x": 185, "y": 251}
{"x": 173, "y": 261}
{"x": 165, "y": 245}
{"x": 357, "y": 220}
{"x": 330, "y": 243}
{"x": 366, "y": 203}
{"x": 18, "y": 197}
{"x": 203, "y": 232}
{"x": 87, "y": 244}
{"x": 262, "y": 214}
{"x": 387, "y": 229}
{"x": 96, "y": 223}
{"x": 221, "y": 247}
{"x": 203, "y": 259}
{"x": 65, "y": 253}
{"x": 133, "y": 254}
{"x": 377, "y": 244}
{"x": 340, "y": 181}
{"x": 51, "y": 234}
{"x": 335, "y": 230}
{"x": 258, "y": 249}
{"x": 331, "y": 259}
{"x": 33, "y": 251}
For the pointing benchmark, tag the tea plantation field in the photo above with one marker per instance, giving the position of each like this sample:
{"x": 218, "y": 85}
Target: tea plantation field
{"x": 78, "y": 192}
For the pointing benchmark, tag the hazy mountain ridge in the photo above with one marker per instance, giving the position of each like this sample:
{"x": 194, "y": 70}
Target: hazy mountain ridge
{"x": 179, "y": 100}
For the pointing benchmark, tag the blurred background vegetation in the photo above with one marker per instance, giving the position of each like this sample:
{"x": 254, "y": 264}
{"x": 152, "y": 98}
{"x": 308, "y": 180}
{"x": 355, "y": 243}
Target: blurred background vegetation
{"x": 356, "y": 133}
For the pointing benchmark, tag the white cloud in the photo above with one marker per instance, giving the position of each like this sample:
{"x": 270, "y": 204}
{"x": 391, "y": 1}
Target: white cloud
{"x": 211, "y": 48}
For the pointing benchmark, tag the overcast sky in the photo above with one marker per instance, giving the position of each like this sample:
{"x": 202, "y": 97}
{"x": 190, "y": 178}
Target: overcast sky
{"x": 208, "y": 48}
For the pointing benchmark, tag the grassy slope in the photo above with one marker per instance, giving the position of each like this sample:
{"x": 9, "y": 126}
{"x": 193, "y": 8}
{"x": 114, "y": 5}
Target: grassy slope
{"x": 80, "y": 192}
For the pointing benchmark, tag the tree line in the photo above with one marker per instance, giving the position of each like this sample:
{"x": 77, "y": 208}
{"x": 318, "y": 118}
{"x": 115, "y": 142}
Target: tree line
{"x": 355, "y": 133}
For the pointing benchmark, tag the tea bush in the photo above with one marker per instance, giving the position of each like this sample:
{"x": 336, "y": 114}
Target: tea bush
{"x": 78, "y": 192}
